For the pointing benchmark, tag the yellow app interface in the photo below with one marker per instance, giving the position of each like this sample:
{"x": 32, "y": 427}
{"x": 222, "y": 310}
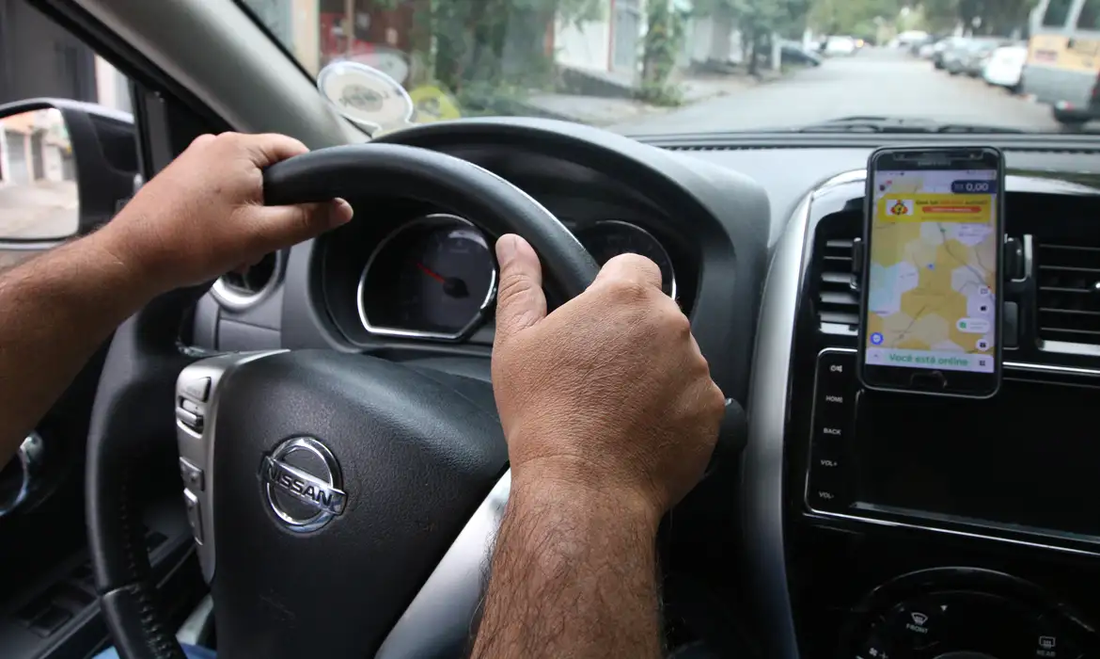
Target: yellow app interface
{"x": 933, "y": 280}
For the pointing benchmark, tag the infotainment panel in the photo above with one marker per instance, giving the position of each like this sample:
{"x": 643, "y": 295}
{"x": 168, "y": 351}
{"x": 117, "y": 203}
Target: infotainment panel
{"x": 1026, "y": 461}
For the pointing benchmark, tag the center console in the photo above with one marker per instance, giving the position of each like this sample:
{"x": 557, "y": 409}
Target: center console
{"x": 920, "y": 526}
{"x": 1020, "y": 466}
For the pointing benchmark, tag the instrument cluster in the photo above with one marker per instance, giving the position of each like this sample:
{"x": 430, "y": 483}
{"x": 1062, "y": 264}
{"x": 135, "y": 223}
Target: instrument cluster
{"x": 436, "y": 276}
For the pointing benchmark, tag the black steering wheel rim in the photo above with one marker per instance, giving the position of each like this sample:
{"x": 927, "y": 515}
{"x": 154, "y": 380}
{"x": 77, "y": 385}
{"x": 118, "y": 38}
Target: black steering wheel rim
{"x": 143, "y": 361}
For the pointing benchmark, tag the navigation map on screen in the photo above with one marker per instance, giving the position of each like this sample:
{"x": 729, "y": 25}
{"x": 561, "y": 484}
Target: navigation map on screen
{"x": 933, "y": 280}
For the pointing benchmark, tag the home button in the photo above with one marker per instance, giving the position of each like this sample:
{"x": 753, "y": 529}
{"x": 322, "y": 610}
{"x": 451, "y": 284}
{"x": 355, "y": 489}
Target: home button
{"x": 930, "y": 381}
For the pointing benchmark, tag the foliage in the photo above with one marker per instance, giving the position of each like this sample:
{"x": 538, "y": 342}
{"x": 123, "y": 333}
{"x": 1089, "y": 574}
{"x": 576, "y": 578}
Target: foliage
{"x": 468, "y": 46}
{"x": 862, "y": 18}
{"x": 662, "y": 43}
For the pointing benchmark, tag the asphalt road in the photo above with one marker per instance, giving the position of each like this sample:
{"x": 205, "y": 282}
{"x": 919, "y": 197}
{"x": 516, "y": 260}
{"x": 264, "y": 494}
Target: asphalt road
{"x": 875, "y": 81}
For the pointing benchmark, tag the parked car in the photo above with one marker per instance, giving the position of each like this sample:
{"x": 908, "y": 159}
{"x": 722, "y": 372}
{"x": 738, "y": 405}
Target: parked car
{"x": 943, "y": 47}
{"x": 927, "y": 49}
{"x": 910, "y": 37}
{"x": 793, "y": 52}
{"x": 840, "y": 46}
{"x": 978, "y": 54}
{"x": 1005, "y": 67}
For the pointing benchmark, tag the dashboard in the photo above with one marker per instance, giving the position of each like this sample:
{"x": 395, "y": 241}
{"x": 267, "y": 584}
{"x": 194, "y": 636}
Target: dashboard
{"x": 855, "y": 524}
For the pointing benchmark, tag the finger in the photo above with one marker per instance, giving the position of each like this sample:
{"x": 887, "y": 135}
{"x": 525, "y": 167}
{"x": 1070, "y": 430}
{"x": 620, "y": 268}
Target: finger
{"x": 283, "y": 226}
{"x": 520, "y": 300}
{"x": 205, "y": 138}
{"x": 630, "y": 267}
{"x": 270, "y": 148}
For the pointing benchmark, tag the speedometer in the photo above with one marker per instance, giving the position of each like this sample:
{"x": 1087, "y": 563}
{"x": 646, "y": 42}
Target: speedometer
{"x": 432, "y": 278}
{"x": 609, "y": 238}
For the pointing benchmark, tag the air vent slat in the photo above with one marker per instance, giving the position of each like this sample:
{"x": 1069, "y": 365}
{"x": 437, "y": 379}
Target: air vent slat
{"x": 1069, "y": 268}
{"x": 1084, "y": 312}
{"x": 1063, "y": 289}
{"x": 836, "y": 297}
{"x": 1068, "y": 292}
{"x": 839, "y": 317}
{"x": 837, "y": 278}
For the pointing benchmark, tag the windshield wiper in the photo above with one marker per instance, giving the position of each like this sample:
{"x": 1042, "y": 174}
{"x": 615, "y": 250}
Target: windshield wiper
{"x": 872, "y": 124}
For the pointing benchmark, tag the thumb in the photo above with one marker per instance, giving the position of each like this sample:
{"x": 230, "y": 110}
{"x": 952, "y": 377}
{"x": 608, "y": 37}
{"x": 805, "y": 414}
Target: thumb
{"x": 520, "y": 300}
{"x": 283, "y": 226}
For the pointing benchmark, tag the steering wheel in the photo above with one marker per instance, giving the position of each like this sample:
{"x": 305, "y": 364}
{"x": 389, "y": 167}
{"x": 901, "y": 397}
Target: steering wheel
{"x": 338, "y": 484}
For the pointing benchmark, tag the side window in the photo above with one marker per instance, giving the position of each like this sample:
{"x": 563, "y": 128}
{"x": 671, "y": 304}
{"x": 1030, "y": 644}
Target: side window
{"x": 1057, "y": 12}
{"x": 1089, "y": 18}
{"x": 39, "y": 203}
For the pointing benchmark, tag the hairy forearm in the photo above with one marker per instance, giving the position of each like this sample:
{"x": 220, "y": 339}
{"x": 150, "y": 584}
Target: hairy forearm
{"x": 57, "y": 309}
{"x": 573, "y": 574}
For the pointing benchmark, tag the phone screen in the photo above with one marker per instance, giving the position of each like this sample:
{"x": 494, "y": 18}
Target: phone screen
{"x": 932, "y": 272}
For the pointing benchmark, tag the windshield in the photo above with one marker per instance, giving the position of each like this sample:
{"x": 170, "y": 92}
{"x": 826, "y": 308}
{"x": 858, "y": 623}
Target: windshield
{"x": 691, "y": 66}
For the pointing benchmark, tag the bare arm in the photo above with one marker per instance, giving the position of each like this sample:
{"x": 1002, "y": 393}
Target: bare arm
{"x": 573, "y": 575}
{"x": 610, "y": 416}
{"x": 199, "y": 218}
{"x": 57, "y": 309}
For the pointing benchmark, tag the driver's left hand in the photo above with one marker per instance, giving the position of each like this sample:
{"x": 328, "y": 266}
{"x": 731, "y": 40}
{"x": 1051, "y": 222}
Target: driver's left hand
{"x": 204, "y": 214}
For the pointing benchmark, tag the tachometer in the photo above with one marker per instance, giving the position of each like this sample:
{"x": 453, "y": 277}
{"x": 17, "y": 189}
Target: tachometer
{"x": 609, "y": 238}
{"x": 431, "y": 278}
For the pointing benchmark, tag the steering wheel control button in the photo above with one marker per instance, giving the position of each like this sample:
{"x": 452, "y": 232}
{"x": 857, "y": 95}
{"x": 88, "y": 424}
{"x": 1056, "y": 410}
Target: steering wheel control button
{"x": 197, "y": 389}
{"x": 190, "y": 419}
{"x": 194, "y": 514}
{"x": 303, "y": 484}
{"x": 192, "y": 476}
{"x": 191, "y": 406}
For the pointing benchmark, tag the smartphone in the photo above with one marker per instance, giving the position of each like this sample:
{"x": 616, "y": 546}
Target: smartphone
{"x": 933, "y": 245}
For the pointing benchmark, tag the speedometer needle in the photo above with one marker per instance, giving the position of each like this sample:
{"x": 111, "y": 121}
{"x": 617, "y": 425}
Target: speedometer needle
{"x": 431, "y": 273}
{"x": 452, "y": 286}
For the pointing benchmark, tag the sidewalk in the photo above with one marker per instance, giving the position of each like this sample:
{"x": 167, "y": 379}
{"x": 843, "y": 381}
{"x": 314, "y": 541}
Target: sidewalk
{"x": 601, "y": 111}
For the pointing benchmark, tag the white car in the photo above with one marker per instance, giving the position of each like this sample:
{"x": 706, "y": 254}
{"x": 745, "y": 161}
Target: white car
{"x": 1006, "y": 66}
{"x": 840, "y": 46}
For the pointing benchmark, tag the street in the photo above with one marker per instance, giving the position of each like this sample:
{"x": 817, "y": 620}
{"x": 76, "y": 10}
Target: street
{"x": 875, "y": 81}
{"x": 44, "y": 210}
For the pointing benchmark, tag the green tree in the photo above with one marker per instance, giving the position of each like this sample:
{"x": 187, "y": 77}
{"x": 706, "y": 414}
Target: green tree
{"x": 852, "y": 17}
{"x": 478, "y": 45}
{"x": 663, "y": 39}
{"x": 992, "y": 17}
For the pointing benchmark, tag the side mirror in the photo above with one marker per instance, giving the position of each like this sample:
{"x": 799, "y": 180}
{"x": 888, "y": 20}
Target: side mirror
{"x": 66, "y": 168}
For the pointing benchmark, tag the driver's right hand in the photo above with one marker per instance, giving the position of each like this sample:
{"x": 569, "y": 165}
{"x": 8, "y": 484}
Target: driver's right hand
{"x": 608, "y": 394}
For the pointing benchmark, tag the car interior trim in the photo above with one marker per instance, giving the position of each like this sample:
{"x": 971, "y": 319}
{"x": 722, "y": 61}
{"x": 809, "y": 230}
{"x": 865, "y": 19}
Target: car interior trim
{"x": 762, "y": 463}
{"x": 360, "y": 289}
{"x": 254, "y": 95}
{"x": 447, "y": 603}
{"x": 233, "y": 299}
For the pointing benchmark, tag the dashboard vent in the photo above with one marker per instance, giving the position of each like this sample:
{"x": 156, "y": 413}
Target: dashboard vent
{"x": 836, "y": 298}
{"x": 242, "y": 289}
{"x": 1068, "y": 293}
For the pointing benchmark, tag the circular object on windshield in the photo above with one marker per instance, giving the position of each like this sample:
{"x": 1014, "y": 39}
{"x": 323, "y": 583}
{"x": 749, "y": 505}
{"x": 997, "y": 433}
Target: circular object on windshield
{"x": 609, "y": 238}
{"x": 432, "y": 278}
{"x": 365, "y": 95}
